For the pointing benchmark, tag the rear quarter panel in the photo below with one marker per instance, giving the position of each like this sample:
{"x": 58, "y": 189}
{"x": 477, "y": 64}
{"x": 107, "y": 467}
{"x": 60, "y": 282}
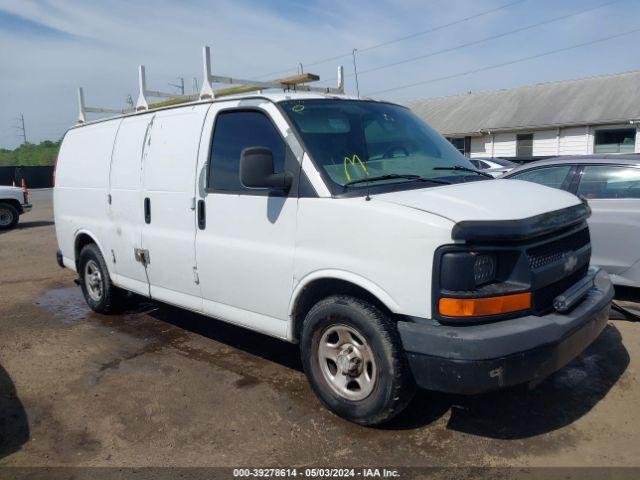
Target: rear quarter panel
{"x": 82, "y": 185}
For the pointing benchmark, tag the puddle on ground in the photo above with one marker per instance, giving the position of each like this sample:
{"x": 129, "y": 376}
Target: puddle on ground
{"x": 65, "y": 304}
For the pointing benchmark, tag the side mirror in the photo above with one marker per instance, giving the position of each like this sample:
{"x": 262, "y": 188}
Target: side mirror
{"x": 256, "y": 170}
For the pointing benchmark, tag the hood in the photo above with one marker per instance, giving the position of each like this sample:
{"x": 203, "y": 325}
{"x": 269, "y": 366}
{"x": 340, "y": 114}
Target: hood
{"x": 485, "y": 200}
{"x": 10, "y": 189}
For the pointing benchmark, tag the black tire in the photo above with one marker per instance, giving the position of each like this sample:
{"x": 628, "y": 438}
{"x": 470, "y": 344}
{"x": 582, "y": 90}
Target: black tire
{"x": 111, "y": 299}
{"x": 9, "y": 216}
{"x": 394, "y": 386}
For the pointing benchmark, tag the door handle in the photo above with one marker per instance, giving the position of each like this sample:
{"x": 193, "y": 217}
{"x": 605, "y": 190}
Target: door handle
{"x": 147, "y": 210}
{"x": 202, "y": 215}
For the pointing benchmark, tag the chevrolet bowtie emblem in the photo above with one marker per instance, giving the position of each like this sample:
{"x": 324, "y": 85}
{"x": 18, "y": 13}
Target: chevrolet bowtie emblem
{"x": 570, "y": 262}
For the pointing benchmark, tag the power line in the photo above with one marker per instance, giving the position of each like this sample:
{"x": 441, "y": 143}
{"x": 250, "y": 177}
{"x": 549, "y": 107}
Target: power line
{"x": 482, "y": 40}
{"x": 400, "y": 39}
{"x": 504, "y": 64}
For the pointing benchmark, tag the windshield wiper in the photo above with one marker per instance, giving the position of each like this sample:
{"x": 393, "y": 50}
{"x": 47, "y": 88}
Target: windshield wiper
{"x": 460, "y": 168}
{"x": 391, "y": 176}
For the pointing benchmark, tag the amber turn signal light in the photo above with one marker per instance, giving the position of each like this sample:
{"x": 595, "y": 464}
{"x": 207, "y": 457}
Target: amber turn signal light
{"x": 480, "y": 307}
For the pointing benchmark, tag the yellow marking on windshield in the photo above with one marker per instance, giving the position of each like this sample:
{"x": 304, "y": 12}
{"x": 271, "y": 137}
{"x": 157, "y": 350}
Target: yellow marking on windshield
{"x": 353, "y": 161}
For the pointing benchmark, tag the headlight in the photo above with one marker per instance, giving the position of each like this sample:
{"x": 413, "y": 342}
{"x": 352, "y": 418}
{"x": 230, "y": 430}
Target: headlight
{"x": 480, "y": 282}
{"x": 484, "y": 268}
{"x": 466, "y": 271}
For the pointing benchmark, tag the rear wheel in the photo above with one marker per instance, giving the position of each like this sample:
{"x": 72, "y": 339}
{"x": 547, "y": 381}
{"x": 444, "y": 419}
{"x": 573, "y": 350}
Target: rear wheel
{"x": 353, "y": 357}
{"x": 100, "y": 294}
{"x": 8, "y": 216}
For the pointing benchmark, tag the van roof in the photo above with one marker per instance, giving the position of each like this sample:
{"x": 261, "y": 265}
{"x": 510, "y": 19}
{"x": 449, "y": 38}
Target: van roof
{"x": 274, "y": 97}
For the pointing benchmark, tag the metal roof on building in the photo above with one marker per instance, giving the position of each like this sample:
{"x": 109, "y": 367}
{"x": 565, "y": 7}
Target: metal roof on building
{"x": 589, "y": 101}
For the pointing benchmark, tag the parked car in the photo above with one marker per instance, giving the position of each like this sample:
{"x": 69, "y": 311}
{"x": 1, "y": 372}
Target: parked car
{"x": 13, "y": 202}
{"x": 495, "y": 167}
{"x": 348, "y": 226}
{"x": 611, "y": 186}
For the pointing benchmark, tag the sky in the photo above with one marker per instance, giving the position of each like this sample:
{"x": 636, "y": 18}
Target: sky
{"x": 49, "y": 48}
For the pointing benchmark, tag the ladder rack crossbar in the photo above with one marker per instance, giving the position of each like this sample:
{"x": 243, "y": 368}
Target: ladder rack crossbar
{"x": 237, "y": 86}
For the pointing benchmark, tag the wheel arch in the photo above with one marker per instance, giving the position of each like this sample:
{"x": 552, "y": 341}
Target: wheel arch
{"x": 318, "y": 285}
{"x": 13, "y": 202}
{"x": 81, "y": 239}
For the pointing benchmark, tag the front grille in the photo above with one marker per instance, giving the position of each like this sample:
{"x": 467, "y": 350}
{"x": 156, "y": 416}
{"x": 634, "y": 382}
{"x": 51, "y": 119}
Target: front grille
{"x": 543, "y": 297}
{"x": 554, "y": 251}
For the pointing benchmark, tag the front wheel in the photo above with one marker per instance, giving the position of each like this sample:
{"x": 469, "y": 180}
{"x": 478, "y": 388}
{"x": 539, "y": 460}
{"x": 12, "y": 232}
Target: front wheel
{"x": 353, "y": 357}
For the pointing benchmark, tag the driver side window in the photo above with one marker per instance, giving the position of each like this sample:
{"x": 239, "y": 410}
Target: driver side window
{"x": 233, "y": 132}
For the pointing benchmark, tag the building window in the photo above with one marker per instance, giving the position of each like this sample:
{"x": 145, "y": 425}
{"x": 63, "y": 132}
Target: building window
{"x": 620, "y": 140}
{"x": 524, "y": 145}
{"x": 462, "y": 144}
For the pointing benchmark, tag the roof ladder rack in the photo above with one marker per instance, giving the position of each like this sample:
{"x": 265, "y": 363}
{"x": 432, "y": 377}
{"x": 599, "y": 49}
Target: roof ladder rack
{"x": 84, "y": 109}
{"x": 236, "y": 86}
{"x": 143, "y": 104}
{"x": 295, "y": 82}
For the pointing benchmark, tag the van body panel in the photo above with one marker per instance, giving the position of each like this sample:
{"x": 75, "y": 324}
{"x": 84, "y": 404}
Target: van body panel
{"x": 168, "y": 182}
{"x": 125, "y": 212}
{"x": 80, "y": 198}
{"x": 368, "y": 240}
{"x": 248, "y": 243}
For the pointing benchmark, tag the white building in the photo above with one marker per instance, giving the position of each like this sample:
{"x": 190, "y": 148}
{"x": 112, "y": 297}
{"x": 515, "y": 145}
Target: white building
{"x": 574, "y": 117}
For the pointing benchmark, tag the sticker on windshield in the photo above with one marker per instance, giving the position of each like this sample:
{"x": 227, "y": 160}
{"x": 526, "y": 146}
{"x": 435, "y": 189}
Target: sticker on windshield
{"x": 352, "y": 161}
{"x": 297, "y": 108}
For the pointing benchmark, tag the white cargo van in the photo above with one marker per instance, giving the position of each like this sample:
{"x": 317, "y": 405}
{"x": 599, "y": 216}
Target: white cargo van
{"x": 346, "y": 225}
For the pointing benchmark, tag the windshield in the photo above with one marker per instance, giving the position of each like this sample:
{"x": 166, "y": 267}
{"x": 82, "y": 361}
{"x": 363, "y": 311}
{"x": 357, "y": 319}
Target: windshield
{"x": 353, "y": 140}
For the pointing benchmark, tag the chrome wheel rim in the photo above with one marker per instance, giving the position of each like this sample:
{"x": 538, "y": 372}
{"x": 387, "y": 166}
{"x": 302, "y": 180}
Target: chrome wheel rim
{"x": 93, "y": 280}
{"x": 5, "y": 217}
{"x": 347, "y": 362}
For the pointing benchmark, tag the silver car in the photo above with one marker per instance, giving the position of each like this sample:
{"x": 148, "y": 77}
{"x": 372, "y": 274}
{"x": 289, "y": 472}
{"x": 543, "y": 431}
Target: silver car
{"x": 611, "y": 186}
{"x": 495, "y": 167}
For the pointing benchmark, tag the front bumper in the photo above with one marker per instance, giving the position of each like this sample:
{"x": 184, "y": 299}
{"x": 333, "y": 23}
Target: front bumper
{"x": 26, "y": 207}
{"x": 478, "y": 358}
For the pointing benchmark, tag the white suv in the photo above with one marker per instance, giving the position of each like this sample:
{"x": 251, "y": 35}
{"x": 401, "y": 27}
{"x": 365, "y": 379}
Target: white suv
{"x": 14, "y": 202}
{"x": 348, "y": 226}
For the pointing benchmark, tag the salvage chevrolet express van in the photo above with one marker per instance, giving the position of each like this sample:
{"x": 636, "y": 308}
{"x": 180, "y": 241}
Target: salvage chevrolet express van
{"x": 348, "y": 226}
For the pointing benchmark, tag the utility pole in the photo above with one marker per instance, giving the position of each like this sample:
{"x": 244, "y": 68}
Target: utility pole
{"x": 20, "y": 128}
{"x": 179, "y": 86}
{"x": 195, "y": 85}
{"x": 355, "y": 70}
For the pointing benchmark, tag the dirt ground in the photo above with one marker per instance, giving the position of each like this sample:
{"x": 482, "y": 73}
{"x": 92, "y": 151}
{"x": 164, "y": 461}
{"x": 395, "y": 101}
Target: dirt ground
{"x": 162, "y": 387}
